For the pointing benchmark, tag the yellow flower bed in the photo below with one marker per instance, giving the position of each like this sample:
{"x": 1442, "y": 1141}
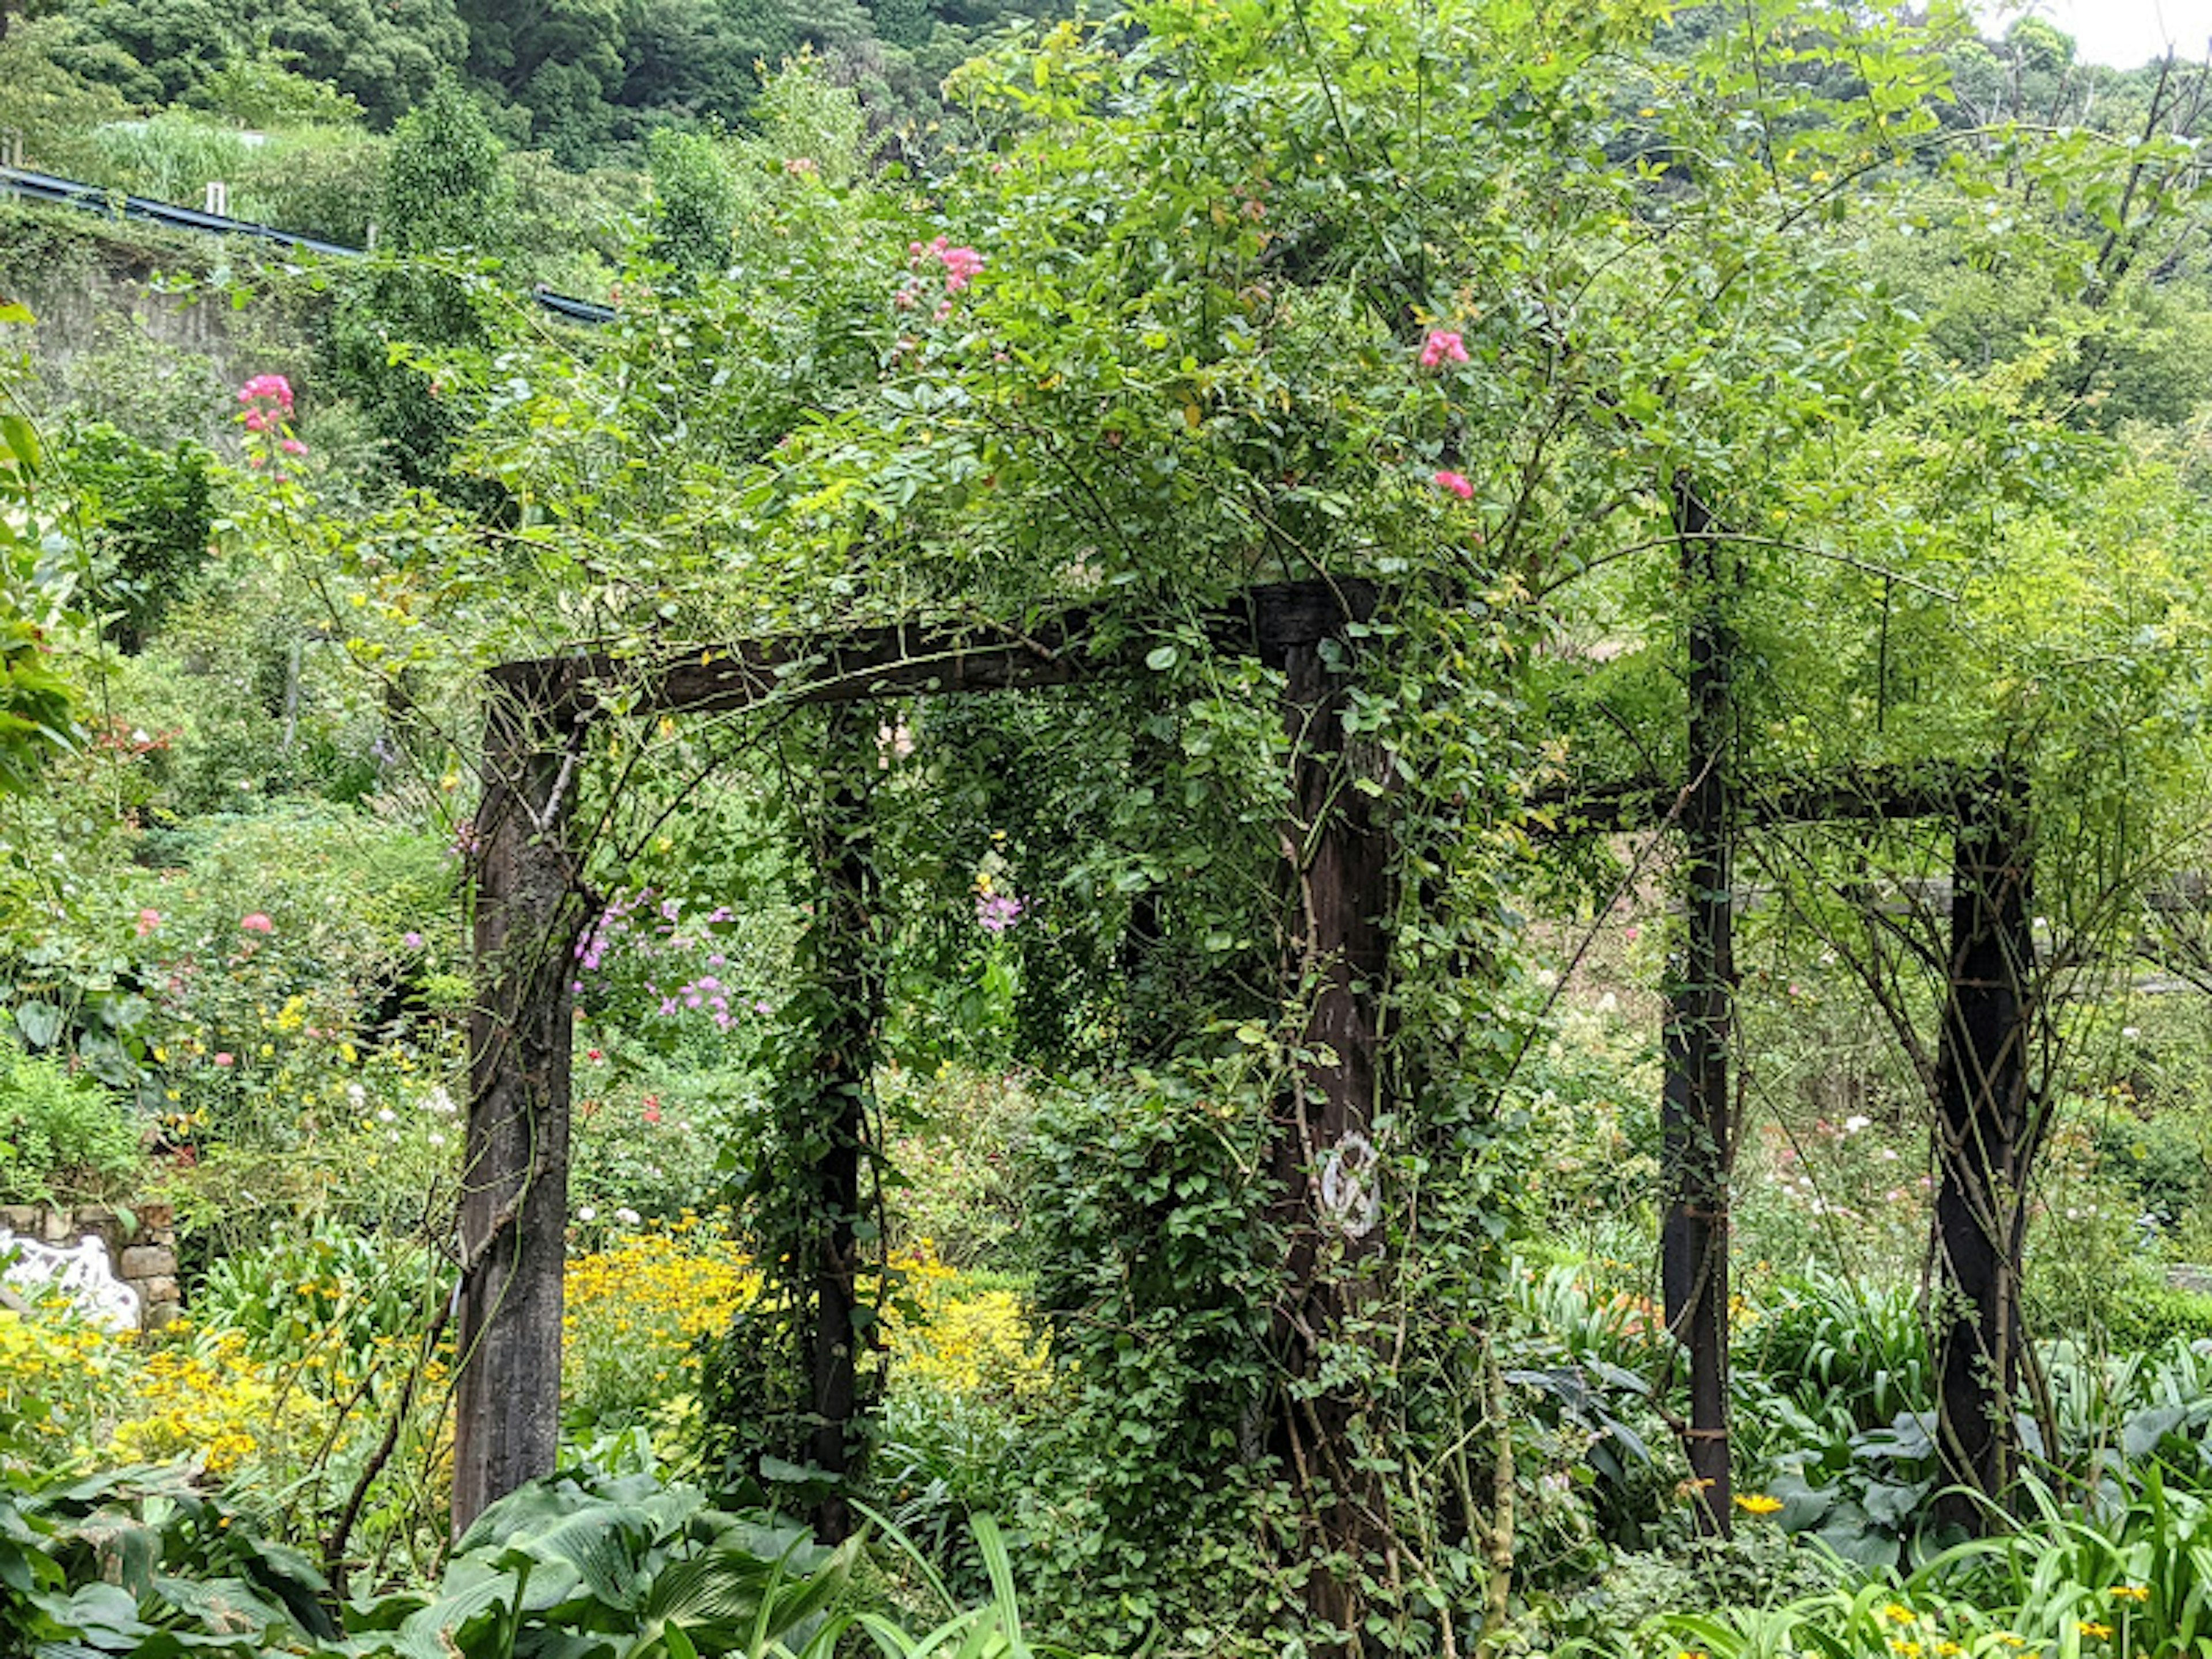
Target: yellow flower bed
{"x": 53, "y": 1373}
{"x": 968, "y": 1340}
{"x": 636, "y": 1309}
{"x": 218, "y": 1402}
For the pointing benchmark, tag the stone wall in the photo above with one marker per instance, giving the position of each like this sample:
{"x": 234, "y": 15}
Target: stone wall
{"x": 141, "y": 1245}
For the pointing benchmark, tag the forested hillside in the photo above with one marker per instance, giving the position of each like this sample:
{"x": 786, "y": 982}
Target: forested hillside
{"x": 1271, "y": 827}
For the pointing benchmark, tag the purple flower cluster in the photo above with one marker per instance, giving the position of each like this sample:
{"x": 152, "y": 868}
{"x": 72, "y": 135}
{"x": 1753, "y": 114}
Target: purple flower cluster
{"x": 634, "y": 925}
{"x": 997, "y": 912}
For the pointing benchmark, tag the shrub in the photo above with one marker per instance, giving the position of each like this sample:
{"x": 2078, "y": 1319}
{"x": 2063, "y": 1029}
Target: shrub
{"x": 61, "y": 1135}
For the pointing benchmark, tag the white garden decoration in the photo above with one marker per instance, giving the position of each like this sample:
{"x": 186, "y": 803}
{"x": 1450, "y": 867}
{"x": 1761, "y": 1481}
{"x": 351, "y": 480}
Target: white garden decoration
{"x": 83, "y": 1274}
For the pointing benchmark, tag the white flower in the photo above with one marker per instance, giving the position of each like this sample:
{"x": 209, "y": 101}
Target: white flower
{"x": 2129, "y": 1032}
{"x": 587, "y": 1213}
{"x": 357, "y": 1095}
{"x": 385, "y": 1114}
{"x": 436, "y": 1139}
{"x": 439, "y": 1100}
{"x": 628, "y": 1217}
{"x": 1855, "y": 1122}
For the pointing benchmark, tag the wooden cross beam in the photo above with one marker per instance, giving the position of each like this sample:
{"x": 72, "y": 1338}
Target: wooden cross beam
{"x": 1926, "y": 789}
{"x": 925, "y": 658}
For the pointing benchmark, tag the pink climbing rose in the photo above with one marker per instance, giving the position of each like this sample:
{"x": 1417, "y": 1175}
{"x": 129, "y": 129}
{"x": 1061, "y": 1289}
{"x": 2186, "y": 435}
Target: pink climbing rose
{"x": 275, "y": 388}
{"x": 1444, "y": 347}
{"x": 1456, "y": 483}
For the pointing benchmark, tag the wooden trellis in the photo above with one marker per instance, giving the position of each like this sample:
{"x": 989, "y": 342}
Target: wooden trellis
{"x": 531, "y": 911}
{"x": 1981, "y": 1062}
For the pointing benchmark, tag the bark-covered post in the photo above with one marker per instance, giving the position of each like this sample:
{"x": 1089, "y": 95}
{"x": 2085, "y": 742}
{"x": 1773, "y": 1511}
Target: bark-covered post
{"x": 844, "y": 946}
{"x": 514, "y": 1193}
{"x": 1338, "y": 853}
{"x": 1695, "y": 1111}
{"x": 1981, "y": 1148}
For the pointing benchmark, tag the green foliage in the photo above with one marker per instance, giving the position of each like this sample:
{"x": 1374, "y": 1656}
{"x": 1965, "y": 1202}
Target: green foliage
{"x": 153, "y": 513}
{"x": 1156, "y": 1259}
{"x": 444, "y": 189}
{"x": 44, "y": 569}
{"x": 329, "y": 1290}
{"x": 695, "y": 202}
{"x": 61, "y": 1135}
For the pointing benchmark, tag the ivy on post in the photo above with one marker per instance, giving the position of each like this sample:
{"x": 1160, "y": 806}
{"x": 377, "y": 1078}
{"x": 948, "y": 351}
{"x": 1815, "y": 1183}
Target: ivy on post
{"x": 1983, "y": 1148}
{"x": 1337, "y": 848}
{"x": 1695, "y": 1121}
{"x": 843, "y": 953}
{"x": 514, "y": 1196}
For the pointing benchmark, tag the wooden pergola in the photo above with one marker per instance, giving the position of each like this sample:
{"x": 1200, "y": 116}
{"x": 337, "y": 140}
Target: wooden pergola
{"x": 532, "y": 909}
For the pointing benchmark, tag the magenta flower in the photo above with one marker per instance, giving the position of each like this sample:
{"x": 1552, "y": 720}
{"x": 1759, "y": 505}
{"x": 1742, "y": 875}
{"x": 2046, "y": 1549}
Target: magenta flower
{"x": 257, "y": 923}
{"x": 1444, "y": 346}
{"x": 275, "y": 388}
{"x": 293, "y": 446}
{"x": 1456, "y": 483}
{"x": 148, "y": 922}
{"x": 412, "y": 940}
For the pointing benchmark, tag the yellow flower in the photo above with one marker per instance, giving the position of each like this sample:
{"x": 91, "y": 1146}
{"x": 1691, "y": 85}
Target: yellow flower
{"x": 1898, "y": 1645}
{"x": 2131, "y": 1592}
{"x": 1898, "y": 1613}
{"x": 1759, "y": 1503}
{"x": 2091, "y": 1628}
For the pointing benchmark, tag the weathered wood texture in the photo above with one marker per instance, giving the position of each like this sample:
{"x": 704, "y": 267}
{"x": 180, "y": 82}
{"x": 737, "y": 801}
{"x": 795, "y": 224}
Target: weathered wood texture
{"x": 1336, "y": 851}
{"x": 514, "y": 1196}
{"x": 912, "y": 659}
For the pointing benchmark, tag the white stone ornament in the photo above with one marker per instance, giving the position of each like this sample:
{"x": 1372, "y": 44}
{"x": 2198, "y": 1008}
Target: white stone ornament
{"x": 1350, "y": 1192}
{"x": 84, "y": 1275}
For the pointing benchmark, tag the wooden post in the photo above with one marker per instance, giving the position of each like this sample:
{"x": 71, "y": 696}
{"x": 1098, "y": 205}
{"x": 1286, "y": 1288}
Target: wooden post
{"x": 1981, "y": 1086}
{"x": 1695, "y": 1115}
{"x": 1338, "y": 853}
{"x": 514, "y": 1196}
{"x": 846, "y": 961}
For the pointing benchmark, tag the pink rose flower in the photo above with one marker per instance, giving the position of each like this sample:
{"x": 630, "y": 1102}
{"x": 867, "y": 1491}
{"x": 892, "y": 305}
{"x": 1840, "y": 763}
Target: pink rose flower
{"x": 1444, "y": 346}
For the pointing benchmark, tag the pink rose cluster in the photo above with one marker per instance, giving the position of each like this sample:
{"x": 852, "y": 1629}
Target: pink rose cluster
{"x": 960, "y": 264}
{"x": 1444, "y": 346}
{"x": 268, "y": 400}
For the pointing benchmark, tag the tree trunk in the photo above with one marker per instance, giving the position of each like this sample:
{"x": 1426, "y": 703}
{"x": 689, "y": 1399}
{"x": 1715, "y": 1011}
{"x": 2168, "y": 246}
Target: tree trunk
{"x": 514, "y": 1193}
{"x": 1697, "y": 1132}
{"x": 1982, "y": 1090}
{"x": 1329, "y": 1167}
